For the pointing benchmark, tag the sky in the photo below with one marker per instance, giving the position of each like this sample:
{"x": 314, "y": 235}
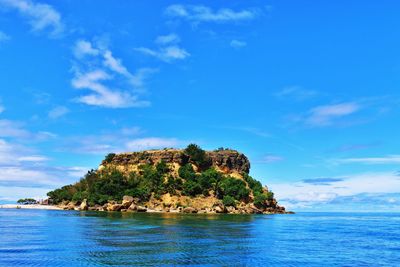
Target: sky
{"x": 308, "y": 90}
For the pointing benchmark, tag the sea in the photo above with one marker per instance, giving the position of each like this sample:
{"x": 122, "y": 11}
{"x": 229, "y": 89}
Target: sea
{"x": 73, "y": 238}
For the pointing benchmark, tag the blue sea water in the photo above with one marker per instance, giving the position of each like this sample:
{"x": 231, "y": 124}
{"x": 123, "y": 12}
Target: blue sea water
{"x": 69, "y": 238}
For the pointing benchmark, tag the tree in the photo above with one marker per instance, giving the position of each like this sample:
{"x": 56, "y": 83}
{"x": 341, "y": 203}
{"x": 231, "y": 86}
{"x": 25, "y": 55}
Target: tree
{"x": 26, "y": 201}
{"x": 192, "y": 188}
{"x": 197, "y": 155}
{"x": 109, "y": 157}
{"x": 255, "y": 185}
{"x": 235, "y": 188}
{"x": 229, "y": 201}
{"x": 186, "y": 172}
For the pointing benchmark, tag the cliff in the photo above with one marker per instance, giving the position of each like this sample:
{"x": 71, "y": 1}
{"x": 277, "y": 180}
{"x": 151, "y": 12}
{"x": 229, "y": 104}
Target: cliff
{"x": 170, "y": 180}
{"x": 226, "y": 161}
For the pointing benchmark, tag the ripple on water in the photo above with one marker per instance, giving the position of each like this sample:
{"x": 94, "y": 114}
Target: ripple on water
{"x": 61, "y": 238}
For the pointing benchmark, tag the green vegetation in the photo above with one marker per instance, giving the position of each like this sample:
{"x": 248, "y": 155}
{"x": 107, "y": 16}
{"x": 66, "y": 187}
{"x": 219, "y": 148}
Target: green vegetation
{"x": 109, "y": 157}
{"x": 26, "y": 201}
{"x": 99, "y": 187}
{"x": 229, "y": 201}
{"x": 197, "y": 156}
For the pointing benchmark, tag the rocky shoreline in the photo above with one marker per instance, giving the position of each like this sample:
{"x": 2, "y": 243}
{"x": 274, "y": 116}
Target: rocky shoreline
{"x": 130, "y": 204}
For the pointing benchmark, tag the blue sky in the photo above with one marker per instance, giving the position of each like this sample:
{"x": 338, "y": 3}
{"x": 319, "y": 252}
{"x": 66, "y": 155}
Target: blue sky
{"x": 308, "y": 90}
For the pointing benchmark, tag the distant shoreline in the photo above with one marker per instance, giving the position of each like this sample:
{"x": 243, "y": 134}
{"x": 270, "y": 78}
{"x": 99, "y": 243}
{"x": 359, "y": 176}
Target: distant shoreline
{"x": 29, "y": 206}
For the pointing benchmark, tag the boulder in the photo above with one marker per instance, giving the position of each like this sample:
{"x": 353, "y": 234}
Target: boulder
{"x": 218, "y": 209}
{"x": 230, "y": 209}
{"x": 114, "y": 207}
{"x": 127, "y": 201}
{"x": 132, "y": 207}
{"x": 84, "y": 205}
{"x": 189, "y": 210}
{"x": 141, "y": 209}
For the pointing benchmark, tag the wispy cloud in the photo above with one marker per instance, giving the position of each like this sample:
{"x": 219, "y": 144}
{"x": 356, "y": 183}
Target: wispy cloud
{"x": 313, "y": 193}
{"x": 237, "y": 44}
{"x": 83, "y": 48}
{"x": 167, "y": 54}
{"x": 4, "y": 37}
{"x": 391, "y": 159}
{"x": 167, "y": 39}
{"x": 270, "y": 159}
{"x": 40, "y": 16}
{"x": 326, "y": 115}
{"x": 103, "y": 95}
{"x": 151, "y": 143}
{"x": 2, "y": 108}
{"x": 103, "y": 70}
{"x": 322, "y": 181}
{"x": 10, "y": 128}
{"x": 199, "y": 13}
{"x": 58, "y": 112}
{"x": 296, "y": 93}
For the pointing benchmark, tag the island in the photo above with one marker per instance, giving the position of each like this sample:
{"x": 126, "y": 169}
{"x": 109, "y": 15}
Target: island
{"x": 188, "y": 180}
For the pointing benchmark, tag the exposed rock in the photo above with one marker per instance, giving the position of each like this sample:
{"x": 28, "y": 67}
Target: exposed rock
{"x": 133, "y": 207}
{"x": 218, "y": 209}
{"x": 141, "y": 209}
{"x": 114, "y": 207}
{"x": 189, "y": 210}
{"x": 84, "y": 205}
{"x": 227, "y": 161}
{"x": 230, "y": 209}
{"x": 127, "y": 201}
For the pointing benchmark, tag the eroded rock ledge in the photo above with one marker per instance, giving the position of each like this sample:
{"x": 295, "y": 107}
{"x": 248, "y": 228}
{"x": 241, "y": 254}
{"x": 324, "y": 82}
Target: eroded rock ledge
{"x": 226, "y": 161}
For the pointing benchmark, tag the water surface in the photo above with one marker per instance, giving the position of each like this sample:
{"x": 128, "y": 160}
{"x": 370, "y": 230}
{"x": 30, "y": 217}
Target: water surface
{"x": 69, "y": 238}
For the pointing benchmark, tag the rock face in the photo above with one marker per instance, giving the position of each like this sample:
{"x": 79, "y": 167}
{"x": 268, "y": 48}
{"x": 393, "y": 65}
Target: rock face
{"x": 226, "y": 161}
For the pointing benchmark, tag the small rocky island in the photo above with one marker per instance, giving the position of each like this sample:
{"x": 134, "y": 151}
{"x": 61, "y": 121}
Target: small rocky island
{"x": 170, "y": 180}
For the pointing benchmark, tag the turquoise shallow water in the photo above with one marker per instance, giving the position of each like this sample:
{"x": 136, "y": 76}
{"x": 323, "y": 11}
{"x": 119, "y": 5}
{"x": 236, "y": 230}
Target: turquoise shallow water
{"x": 65, "y": 238}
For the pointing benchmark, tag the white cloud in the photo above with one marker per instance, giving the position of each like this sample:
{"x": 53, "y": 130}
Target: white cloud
{"x": 40, "y": 16}
{"x": 97, "y": 79}
{"x": 103, "y": 95}
{"x": 4, "y": 37}
{"x": 391, "y": 159}
{"x": 151, "y": 143}
{"x": 58, "y": 112}
{"x": 2, "y": 108}
{"x": 83, "y": 48}
{"x": 303, "y": 194}
{"x": 271, "y": 159}
{"x": 167, "y": 39}
{"x": 237, "y": 44}
{"x": 166, "y": 54}
{"x": 33, "y": 158}
{"x": 296, "y": 93}
{"x": 205, "y": 14}
{"x": 325, "y": 115}
{"x": 115, "y": 64}
{"x": 103, "y": 142}
{"x": 13, "y": 154}
{"x": 12, "y": 129}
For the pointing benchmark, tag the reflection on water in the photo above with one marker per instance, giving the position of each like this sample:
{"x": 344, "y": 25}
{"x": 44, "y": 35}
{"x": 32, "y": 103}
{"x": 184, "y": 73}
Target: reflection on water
{"x": 64, "y": 238}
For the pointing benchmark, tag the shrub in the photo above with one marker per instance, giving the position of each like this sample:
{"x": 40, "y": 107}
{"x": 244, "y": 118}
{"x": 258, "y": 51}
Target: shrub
{"x": 192, "y": 188}
{"x": 255, "y": 185}
{"x": 210, "y": 179}
{"x": 235, "y": 188}
{"x": 197, "y": 155}
{"x": 186, "y": 172}
{"x": 162, "y": 168}
{"x": 109, "y": 157}
{"x": 260, "y": 199}
{"x": 229, "y": 201}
